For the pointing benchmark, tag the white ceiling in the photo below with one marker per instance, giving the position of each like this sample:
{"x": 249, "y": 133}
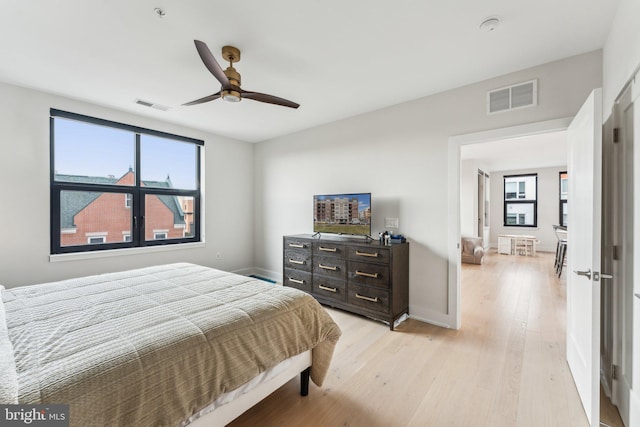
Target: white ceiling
{"x": 526, "y": 152}
{"x": 336, "y": 58}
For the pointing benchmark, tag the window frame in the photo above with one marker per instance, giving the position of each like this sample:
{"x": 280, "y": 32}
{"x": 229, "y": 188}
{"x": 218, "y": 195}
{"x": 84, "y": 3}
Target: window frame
{"x": 138, "y": 191}
{"x": 518, "y": 200}
{"x": 563, "y": 202}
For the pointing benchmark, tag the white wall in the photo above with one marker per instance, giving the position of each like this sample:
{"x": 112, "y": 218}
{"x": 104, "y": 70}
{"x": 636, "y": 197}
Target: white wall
{"x": 621, "y": 57}
{"x": 24, "y": 194}
{"x": 548, "y": 207}
{"x": 621, "y": 52}
{"x": 400, "y": 155}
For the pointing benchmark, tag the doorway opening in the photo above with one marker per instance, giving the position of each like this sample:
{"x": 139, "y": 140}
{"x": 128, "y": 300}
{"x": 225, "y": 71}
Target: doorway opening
{"x": 470, "y": 223}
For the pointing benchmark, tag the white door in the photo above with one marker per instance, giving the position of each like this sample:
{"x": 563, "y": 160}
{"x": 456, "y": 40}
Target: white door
{"x": 634, "y": 400}
{"x": 584, "y": 138}
{"x": 623, "y": 284}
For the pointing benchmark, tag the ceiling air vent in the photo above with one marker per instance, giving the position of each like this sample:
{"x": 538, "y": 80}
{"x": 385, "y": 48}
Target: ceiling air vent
{"x": 151, "y": 105}
{"x": 513, "y": 97}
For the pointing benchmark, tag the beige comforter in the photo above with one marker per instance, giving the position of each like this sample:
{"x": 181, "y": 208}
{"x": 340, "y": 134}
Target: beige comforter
{"x": 150, "y": 347}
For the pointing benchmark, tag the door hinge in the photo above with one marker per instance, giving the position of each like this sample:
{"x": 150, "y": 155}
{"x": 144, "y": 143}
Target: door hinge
{"x": 616, "y": 135}
{"x": 614, "y": 372}
{"x": 615, "y": 253}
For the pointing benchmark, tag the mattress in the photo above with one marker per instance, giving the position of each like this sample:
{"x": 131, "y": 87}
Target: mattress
{"x": 153, "y": 346}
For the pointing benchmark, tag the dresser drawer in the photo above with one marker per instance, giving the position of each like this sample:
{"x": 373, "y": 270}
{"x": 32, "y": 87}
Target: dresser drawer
{"x": 297, "y": 279}
{"x": 369, "y": 298}
{"x": 329, "y": 249}
{"x": 372, "y": 254}
{"x": 369, "y": 274}
{"x": 330, "y": 266}
{"x": 298, "y": 244}
{"x": 299, "y": 259}
{"x": 328, "y": 288}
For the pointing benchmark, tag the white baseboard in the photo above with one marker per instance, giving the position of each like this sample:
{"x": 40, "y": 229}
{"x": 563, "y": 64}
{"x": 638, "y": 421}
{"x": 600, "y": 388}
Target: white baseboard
{"x": 267, "y": 274}
{"x": 244, "y": 271}
{"x": 432, "y": 317}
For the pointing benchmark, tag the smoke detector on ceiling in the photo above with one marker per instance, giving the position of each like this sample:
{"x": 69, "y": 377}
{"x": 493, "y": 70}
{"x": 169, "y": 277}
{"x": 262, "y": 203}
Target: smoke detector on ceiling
{"x": 490, "y": 24}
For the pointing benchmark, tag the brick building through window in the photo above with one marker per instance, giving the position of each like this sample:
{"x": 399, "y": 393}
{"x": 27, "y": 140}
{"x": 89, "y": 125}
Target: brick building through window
{"x": 97, "y": 218}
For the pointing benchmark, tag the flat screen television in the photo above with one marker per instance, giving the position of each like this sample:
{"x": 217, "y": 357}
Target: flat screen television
{"x": 342, "y": 213}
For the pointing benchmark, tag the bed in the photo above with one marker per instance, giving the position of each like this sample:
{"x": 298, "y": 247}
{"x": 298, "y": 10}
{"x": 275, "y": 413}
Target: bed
{"x": 168, "y": 345}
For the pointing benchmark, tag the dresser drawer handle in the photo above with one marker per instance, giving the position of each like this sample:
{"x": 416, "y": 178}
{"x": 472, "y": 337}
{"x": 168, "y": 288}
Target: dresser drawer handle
{"x": 373, "y": 255}
{"x": 296, "y": 245}
{"x": 295, "y": 261}
{"x": 362, "y": 273}
{"x": 326, "y": 288}
{"x": 299, "y": 282}
{"x": 322, "y": 248}
{"x": 328, "y": 267}
{"x": 366, "y": 298}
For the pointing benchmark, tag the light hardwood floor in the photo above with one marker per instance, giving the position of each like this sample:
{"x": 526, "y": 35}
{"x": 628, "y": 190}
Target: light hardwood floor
{"x": 505, "y": 367}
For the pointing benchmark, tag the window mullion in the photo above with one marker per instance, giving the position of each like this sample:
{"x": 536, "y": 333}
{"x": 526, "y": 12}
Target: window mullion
{"x": 138, "y": 200}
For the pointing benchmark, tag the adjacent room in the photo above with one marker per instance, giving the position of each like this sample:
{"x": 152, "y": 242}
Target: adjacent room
{"x": 325, "y": 213}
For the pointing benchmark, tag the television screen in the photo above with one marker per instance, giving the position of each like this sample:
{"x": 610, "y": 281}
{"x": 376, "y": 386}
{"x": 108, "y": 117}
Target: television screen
{"x": 342, "y": 213}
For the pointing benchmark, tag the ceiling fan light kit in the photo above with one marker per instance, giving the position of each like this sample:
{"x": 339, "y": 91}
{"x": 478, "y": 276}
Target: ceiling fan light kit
{"x": 230, "y": 79}
{"x": 231, "y": 95}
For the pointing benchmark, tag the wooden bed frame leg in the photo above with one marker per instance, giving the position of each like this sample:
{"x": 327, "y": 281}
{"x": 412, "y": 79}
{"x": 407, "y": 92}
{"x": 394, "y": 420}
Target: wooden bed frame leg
{"x": 304, "y": 381}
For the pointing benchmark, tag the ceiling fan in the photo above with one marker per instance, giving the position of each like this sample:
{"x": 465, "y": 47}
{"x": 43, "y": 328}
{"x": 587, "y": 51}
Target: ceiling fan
{"x": 230, "y": 79}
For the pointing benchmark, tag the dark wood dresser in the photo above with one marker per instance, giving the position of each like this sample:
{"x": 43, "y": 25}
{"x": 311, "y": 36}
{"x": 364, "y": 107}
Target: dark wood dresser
{"x": 366, "y": 278}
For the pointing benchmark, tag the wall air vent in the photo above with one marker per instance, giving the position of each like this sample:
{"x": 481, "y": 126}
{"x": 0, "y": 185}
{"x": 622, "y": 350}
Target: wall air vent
{"x": 151, "y": 105}
{"x": 513, "y": 97}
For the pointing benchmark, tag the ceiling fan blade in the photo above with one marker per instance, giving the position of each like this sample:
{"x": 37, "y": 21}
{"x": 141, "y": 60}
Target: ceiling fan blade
{"x": 270, "y": 99}
{"x": 203, "y": 100}
{"x": 211, "y": 63}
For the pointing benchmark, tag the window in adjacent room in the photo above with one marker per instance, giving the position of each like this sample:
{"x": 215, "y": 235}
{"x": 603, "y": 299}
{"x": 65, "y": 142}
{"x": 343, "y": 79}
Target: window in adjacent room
{"x": 113, "y": 184}
{"x": 521, "y": 200}
{"x": 564, "y": 185}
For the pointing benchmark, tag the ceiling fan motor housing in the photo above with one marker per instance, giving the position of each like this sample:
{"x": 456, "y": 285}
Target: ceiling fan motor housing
{"x": 233, "y": 76}
{"x": 233, "y": 94}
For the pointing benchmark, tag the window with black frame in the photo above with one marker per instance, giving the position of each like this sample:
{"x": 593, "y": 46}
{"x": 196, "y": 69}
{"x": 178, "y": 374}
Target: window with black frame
{"x": 564, "y": 185}
{"x": 521, "y": 200}
{"x": 120, "y": 186}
